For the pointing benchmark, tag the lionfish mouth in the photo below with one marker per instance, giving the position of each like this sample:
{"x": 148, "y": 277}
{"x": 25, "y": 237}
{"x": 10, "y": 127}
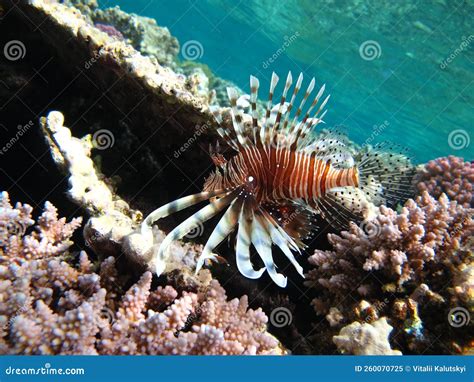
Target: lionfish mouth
{"x": 281, "y": 176}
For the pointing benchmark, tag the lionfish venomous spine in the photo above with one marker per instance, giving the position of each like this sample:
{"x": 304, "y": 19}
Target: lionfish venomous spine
{"x": 280, "y": 169}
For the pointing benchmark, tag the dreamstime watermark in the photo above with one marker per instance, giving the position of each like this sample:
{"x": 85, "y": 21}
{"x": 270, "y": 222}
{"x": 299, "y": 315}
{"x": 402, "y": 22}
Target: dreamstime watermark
{"x": 192, "y": 50}
{"x": 45, "y": 370}
{"x": 288, "y": 40}
{"x": 195, "y": 232}
{"x": 458, "y": 317}
{"x": 280, "y": 317}
{"x": 194, "y": 316}
{"x": 459, "y": 139}
{"x": 10, "y": 228}
{"x": 21, "y": 130}
{"x": 103, "y": 139}
{"x": 376, "y": 310}
{"x": 23, "y": 309}
{"x": 105, "y": 318}
{"x": 14, "y": 50}
{"x": 371, "y": 228}
{"x": 197, "y": 133}
{"x": 88, "y": 64}
{"x": 370, "y": 50}
{"x": 376, "y": 131}
{"x": 464, "y": 45}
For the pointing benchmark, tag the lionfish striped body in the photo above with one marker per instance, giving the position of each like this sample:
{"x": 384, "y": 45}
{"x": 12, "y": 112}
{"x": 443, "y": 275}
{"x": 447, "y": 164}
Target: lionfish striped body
{"x": 280, "y": 176}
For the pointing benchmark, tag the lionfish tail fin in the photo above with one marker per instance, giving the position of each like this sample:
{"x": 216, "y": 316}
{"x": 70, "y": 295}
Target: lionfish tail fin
{"x": 386, "y": 174}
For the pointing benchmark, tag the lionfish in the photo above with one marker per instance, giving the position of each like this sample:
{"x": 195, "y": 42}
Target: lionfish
{"x": 280, "y": 176}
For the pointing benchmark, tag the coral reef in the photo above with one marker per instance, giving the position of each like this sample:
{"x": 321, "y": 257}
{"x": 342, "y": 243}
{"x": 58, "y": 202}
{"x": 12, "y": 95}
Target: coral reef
{"x": 52, "y": 307}
{"x": 365, "y": 338}
{"x": 390, "y": 283}
{"x": 142, "y": 32}
{"x": 452, "y": 176}
{"x": 416, "y": 252}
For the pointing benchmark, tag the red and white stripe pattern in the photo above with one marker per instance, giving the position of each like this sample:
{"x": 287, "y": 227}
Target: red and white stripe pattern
{"x": 282, "y": 174}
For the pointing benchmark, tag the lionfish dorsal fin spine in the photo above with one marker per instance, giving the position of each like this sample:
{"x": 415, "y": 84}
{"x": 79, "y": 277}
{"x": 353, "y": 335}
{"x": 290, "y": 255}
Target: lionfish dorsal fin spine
{"x": 279, "y": 110}
{"x": 292, "y": 101}
{"x": 237, "y": 119}
{"x": 265, "y": 137}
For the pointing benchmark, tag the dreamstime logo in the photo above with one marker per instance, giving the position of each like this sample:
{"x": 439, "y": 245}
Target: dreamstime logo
{"x": 195, "y": 232}
{"x": 192, "y": 50}
{"x": 459, "y": 139}
{"x": 371, "y": 228}
{"x": 106, "y": 317}
{"x": 197, "y": 133}
{"x": 14, "y": 50}
{"x": 280, "y": 317}
{"x": 376, "y": 131}
{"x": 464, "y": 45}
{"x": 370, "y": 50}
{"x": 458, "y": 317}
{"x": 10, "y": 228}
{"x": 287, "y": 41}
{"x": 103, "y": 139}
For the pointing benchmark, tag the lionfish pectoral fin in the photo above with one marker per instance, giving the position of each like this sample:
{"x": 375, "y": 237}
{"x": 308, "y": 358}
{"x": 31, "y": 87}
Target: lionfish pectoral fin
{"x": 294, "y": 221}
{"x": 178, "y": 205}
{"x": 263, "y": 244}
{"x": 386, "y": 174}
{"x": 281, "y": 241}
{"x": 223, "y": 229}
{"x": 338, "y": 209}
{"x": 194, "y": 221}
{"x": 242, "y": 249}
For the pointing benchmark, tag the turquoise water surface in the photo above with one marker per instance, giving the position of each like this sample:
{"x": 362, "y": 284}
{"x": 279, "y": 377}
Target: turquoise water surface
{"x": 397, "y": 70}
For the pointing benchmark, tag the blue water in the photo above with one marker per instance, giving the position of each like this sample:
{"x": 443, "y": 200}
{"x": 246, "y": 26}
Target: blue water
{"x": 409, "y": 90}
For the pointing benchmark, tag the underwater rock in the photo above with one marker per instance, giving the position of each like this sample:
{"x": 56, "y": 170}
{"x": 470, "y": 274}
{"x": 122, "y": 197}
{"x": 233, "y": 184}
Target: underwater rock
{"x": 142, "y": 32}
{"x": 113, "y": 226}
{"x": 365, "y": 339}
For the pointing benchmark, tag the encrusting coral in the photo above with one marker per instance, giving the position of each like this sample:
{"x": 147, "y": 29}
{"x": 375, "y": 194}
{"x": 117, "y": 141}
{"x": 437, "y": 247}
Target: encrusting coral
{"x": 366, "y": 338}
{"x": 52, "y": 307}
{"x": 450, "y": 175}
{"x": 416, "y": 252}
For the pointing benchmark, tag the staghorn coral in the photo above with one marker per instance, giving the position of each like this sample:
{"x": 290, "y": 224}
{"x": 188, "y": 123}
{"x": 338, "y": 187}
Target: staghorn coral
{"x": 424, "y": 252}
{"x": 195, "y": 323}
{"x": 50, "y": 238}
{"x": 398, "y": 246}
{"x": 450, "y": 175}
{"x": 52, "y": 307}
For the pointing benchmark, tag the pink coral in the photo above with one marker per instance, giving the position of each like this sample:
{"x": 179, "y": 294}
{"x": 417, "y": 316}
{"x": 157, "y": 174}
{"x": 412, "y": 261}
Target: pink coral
{"x": 397, "y": 247}
{"x": 412, "y": 266}
{"x": 451, "y": 175}
{"x": 50, "y": 238}
{"x": 52, "y": 307}
{"x": 195, "y": 323}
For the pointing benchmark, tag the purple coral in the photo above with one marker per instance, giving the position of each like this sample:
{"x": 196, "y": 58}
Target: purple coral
{"x": 397, "y": 247}
{"x": 450, "y": 175}
{"x": 110, "y": 30}
{"x": 50, "y": 306}
{"x": 194, "y": 323}
{"x": 412, "y": 266}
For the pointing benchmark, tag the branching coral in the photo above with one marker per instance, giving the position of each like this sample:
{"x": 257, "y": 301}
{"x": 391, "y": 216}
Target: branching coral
{"x": 421, "y": 252}
{"x": 451, "y": 175}
{"x": 51, "y": 307}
